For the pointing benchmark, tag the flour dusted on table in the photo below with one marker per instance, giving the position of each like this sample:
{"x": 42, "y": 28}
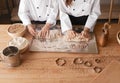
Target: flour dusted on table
{"x": 56, "y": 35}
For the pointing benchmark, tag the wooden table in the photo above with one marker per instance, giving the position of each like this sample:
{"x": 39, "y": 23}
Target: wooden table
{"x": 42, "y": 68}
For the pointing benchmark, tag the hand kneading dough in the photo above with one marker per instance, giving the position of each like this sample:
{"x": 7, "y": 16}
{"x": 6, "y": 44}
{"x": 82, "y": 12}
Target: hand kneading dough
{"x": 53, "y": 34}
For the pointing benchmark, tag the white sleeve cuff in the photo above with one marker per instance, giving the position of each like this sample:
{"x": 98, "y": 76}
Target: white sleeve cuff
{"x": 50, "y": 21}
{"x": 26, "y": 22}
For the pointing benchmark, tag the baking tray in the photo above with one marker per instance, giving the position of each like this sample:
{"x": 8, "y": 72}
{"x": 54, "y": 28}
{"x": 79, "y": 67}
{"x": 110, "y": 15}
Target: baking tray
{"x": 58, "y": 45}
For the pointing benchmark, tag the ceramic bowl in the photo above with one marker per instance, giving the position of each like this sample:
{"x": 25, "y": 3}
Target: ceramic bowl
{"x": 20, "y": 42}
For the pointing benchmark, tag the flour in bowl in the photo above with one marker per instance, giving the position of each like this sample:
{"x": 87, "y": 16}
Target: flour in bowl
{"x": 19, "y": 42}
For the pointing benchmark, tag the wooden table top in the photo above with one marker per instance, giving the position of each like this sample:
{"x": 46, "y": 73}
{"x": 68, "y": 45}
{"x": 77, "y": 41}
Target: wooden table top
{"x": 42, "y": 68}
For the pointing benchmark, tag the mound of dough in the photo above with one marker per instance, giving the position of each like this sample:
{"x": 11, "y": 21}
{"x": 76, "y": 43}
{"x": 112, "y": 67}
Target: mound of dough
{"x": 53, "y": 34}
{"x": 77, "y": 38}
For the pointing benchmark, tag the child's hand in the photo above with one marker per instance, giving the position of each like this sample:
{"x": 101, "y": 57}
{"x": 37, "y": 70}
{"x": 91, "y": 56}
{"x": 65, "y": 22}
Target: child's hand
{"x": 44, "y": 31}
{"x": 86, "y": 33}
{"x": 31, "y": 29}
{"x": 70, "y": 34}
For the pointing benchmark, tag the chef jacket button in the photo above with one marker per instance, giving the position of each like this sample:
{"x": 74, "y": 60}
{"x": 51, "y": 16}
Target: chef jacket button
{"x": 84, "y": 0}
{"x": 73, "y": 9}
{"x": 39, "y": 16}
{"x": 83, "y": 10}
{"x": 47, "y": 14}
{"x": 46, "y": 5}
{"x": 37, "y": 7}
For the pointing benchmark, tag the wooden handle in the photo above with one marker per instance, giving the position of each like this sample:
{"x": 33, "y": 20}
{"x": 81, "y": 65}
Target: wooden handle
{"x": 110, "y": 10}
{"x": 107, "y": 26}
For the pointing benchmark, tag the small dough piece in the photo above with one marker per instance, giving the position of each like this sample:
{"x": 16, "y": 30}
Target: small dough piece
{"x": 97, "y": 69}
{"x": 78, "y": 61}
{"x": 60, "y": 62}
{"x": 97, "y": 60}
{"x": 88, "y": 64}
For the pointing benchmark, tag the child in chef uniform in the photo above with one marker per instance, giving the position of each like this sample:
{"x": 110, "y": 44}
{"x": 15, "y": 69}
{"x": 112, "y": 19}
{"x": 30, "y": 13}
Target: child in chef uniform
{"x": 82, "y": 12}
{"x": 38, "y": 10}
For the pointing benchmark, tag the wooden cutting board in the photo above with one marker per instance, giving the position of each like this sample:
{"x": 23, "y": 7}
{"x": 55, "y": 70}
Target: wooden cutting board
{"x": 111, "y": 74}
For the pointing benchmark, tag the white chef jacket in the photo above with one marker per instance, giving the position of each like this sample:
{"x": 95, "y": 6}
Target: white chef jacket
{"x": 77, "y": 9}
{"x": 38, "y": 10}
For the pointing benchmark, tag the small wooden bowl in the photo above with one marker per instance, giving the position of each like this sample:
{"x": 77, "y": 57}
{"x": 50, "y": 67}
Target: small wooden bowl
{"x": 16, "y": 30}
{"x": 20, "y": 42}
{"x": 118, "y": 37}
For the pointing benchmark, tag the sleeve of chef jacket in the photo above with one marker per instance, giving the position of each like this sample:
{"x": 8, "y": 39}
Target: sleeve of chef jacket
{"x": 95, "y": 12}
{"x": 23, "y": 12}
{"x": 65, "y": 20}
{"x": 53, "y": 12}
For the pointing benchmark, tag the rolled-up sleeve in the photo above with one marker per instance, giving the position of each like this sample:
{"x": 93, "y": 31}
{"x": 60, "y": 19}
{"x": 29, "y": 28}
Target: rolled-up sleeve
{"x": 94, "y": 14}
{"x": 23, "y": 12}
